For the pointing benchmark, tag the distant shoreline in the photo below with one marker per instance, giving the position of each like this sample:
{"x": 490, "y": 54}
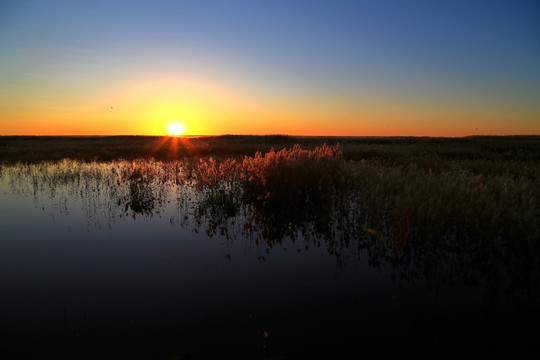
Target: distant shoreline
{"x": 22, "y": 148}
{"x": 279, "y": 135}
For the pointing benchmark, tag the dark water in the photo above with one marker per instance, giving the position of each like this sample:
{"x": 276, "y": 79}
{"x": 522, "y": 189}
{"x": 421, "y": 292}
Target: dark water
{"x": 97, "y": 262}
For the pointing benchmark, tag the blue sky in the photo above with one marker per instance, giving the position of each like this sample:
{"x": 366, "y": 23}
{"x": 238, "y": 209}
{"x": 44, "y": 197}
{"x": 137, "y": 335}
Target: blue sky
{"x": 344, "y": 63}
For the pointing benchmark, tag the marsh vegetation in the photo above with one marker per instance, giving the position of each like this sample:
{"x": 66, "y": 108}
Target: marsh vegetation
{"x": 437, "y": 213}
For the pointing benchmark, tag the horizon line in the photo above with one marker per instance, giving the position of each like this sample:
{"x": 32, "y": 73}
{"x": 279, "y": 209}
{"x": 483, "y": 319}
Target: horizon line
{"x": 282, "y": 135}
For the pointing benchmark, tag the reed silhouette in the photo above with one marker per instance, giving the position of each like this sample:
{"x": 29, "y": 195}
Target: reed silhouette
{"x": 439, "y": 225}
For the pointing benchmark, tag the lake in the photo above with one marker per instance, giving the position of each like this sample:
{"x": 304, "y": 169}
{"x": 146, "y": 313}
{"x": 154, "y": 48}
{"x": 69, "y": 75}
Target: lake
{"x": 134, "y": 259}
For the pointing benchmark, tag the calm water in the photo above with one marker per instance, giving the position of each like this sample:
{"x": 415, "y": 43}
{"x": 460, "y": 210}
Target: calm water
{"x": 96, "y": 261}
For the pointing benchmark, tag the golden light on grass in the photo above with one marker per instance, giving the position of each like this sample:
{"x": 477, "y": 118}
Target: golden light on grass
{"x": 176, "y": 129}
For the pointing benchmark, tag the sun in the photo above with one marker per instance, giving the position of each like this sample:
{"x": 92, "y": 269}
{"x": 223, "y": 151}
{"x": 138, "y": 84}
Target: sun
{"x": 176, "y": 129}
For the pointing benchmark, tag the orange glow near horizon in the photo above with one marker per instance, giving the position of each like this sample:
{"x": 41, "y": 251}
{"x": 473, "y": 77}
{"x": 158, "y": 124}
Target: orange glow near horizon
{"x": 148, "y": 107}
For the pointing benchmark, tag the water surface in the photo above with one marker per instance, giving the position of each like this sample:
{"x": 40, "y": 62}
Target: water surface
{"x": 131, "y": 259}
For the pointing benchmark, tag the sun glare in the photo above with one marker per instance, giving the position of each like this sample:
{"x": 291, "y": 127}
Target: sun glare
{"x": 176, "y": 128}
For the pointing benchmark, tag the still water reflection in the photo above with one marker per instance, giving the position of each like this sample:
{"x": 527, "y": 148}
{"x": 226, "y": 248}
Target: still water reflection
{"x": 140, "y": 258}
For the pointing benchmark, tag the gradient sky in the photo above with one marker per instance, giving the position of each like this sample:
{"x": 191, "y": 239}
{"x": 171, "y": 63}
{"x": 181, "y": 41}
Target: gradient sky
{"x": 435, "y": 68}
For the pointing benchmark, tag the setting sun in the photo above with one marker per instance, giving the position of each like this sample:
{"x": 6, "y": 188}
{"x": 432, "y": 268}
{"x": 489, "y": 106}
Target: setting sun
{"x": 176, "y": 128}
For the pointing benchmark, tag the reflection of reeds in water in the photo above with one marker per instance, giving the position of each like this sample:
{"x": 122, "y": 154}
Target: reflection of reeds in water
{"x": 141, "y": 199}
{"x": 284, "y": 189}
{"x": 440, "y": 225}
{"x": 296, "y": 184}
{"x": 433, "y": 219}
{"x": 100, "y": 190}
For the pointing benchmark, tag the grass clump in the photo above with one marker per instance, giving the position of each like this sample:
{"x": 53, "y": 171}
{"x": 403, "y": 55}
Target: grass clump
{"x": 282, "y": 189}
{"x": 293, "y": 188}
{"x": 292, "y": 180}
{"x": 219, "y": 182}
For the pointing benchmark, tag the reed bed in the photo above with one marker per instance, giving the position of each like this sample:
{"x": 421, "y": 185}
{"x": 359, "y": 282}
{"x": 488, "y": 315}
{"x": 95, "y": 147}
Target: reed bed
{"x": 441, "y": 199}
{"x": 440, "y": 218}
{"x": 442, "y": 223}
{"x": 425, "y": 187}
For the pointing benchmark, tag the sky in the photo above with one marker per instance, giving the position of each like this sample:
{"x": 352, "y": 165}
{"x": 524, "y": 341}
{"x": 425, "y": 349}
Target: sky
{"x": 339, "y": 68}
